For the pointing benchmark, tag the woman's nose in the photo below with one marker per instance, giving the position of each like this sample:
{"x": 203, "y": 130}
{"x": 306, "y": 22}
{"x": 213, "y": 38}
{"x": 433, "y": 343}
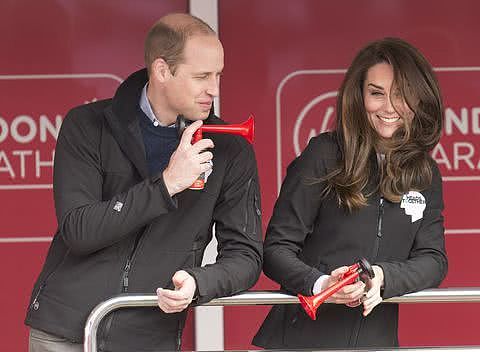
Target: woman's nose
{"x": 388, "y": 106}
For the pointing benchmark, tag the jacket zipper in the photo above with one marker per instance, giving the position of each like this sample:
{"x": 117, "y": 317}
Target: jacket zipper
{"x": 255, "y": 206}
{"x": 124, "y": 284}
{"x": 130, "y": 258}
{"x": 376, "y": 247}
{"x": 126, "y": 270}
{"x": 247, "y": 207}
{"x": 35, "y": 305}
{"x": 379, "y": 235}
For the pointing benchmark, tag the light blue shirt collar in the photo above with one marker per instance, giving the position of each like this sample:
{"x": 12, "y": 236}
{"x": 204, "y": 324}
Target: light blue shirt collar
{"x": 147, "y": 108}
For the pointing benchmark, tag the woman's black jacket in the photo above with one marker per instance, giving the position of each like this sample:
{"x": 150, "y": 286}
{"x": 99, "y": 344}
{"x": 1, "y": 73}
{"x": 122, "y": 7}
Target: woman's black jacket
{"x": 309, "y": 236}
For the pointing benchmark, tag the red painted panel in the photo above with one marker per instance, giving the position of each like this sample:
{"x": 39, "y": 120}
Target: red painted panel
{"x": 21, "y": 263}
{"x": 54, "y": 56}
{"x": 279, "y": 62}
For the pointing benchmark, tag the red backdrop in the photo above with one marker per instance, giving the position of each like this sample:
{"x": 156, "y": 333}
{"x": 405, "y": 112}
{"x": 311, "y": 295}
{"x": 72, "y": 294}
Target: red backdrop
{"x": 54, "y": 55}
{"x": 284, "y": 62}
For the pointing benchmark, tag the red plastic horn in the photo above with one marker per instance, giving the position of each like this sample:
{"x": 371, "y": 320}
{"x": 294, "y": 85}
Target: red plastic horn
{"x": 361, "y": 269}
{"x": 245, "y": 129}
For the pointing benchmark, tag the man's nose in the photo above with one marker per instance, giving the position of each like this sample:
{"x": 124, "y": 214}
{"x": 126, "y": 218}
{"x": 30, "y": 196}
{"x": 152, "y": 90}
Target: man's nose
{"x": 213, "y": 88}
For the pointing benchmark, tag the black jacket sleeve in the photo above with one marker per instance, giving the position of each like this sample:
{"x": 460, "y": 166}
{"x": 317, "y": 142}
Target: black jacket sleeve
{"x": 293, "y": 220}
{"x": 427, "y": 264}
{"x": 238, "y": 229}
{"x": 87, "y": 222}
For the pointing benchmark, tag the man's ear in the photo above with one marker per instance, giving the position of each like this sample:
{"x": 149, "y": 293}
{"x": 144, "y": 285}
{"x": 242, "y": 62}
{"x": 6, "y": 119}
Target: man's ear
{"x": 161, "y": 70}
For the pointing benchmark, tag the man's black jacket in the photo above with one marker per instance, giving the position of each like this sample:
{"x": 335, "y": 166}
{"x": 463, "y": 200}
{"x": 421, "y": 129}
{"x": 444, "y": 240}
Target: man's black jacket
{"x": 120, "y": 231}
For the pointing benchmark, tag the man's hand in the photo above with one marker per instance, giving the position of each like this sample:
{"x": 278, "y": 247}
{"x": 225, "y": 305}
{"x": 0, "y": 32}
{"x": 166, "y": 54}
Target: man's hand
{"x": 349, "y": 294}
{"x": 174, "y": 301}
{"x": 187, "y": 161}
{"x": 372, "y": 297}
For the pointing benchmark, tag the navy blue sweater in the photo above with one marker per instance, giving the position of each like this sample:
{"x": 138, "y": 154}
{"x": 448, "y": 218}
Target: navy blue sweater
{"x": 160, "y": 143}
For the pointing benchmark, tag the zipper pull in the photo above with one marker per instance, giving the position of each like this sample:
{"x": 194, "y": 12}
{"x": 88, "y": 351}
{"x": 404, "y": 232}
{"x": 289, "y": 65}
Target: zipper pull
{"x": 380, "y": 218}
{"x": 35, "y": 305}
{"x": 125, "y": 275}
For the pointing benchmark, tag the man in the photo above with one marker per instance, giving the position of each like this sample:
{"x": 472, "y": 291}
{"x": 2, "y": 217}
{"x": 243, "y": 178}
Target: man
{"x": 127, "y": 221}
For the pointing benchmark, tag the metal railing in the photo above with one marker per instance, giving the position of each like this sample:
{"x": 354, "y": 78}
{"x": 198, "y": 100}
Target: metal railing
{"x": 439, "y": 295}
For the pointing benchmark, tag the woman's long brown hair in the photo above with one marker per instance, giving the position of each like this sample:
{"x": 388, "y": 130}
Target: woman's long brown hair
{"x": 408, "y": 165}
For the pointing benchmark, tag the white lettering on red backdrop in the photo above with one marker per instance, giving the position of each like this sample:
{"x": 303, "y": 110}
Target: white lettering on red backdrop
{"x": 30, "y": 122}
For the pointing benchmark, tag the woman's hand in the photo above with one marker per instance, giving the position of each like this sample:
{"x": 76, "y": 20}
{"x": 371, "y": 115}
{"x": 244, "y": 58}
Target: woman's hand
{"x": 372, "y": 297}
{"x": 349, "y": 294}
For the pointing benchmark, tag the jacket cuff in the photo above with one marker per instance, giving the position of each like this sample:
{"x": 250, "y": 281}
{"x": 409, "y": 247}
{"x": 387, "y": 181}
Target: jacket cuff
{"x": 200, "y": 295}
{"x": 172, "y": 202}
{"x": 388, "y": 286}
{"x": 310, "y": 280}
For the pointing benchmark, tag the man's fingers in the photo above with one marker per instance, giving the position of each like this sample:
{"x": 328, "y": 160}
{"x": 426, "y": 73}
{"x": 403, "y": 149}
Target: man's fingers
{"x": 172, "y": 301}
{"x": 205, "y": 156}
{"x": 202, "y": 144}
{"x": 188, "y": 133}
{"x": 172, "y": 308}
{"x": 172, "y": 304}
{"x": 177, "y": 295}
{"x": 179, "y": 278}
{"x": 206, "y": 166}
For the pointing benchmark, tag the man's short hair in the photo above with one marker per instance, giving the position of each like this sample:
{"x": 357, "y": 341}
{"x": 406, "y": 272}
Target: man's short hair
{"x": 167, "y": 38}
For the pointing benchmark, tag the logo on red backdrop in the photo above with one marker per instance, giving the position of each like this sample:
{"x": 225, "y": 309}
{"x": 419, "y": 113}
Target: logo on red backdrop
{"x": 32, "y": 111}
{"x": 316, "y": 117}
{"x": 305, "y": 107}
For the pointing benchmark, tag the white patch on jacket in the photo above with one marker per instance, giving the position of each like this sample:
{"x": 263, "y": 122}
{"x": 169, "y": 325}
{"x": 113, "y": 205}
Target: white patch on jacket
{"x": 414, "y": 204}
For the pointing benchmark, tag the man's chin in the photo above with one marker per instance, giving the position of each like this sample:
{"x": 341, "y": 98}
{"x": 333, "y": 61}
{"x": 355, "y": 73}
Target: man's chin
{"x": 198, "y": 116}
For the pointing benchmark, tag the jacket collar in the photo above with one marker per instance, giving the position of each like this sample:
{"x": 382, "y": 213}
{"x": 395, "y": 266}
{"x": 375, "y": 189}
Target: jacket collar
{"x": 126, "y": 101}
{"x": 122, "y": 117}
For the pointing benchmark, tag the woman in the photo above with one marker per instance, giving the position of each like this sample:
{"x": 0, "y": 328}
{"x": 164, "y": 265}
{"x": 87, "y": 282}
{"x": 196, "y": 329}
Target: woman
{"x": 369, "y": 189}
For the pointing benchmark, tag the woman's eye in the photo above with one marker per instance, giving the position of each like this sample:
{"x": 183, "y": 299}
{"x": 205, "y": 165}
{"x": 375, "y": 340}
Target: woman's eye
{"x": 376, "y": 93}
